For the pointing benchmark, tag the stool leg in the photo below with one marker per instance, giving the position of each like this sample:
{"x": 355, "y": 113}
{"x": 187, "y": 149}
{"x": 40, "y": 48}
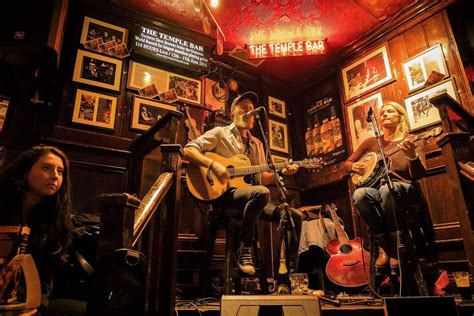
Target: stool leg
{"x": 229, "y": 258}
{"x": 262, "y": 276}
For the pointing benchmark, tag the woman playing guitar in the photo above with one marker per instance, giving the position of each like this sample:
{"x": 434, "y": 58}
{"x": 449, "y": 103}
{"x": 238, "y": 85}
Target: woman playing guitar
{"x": 374, "y": 203}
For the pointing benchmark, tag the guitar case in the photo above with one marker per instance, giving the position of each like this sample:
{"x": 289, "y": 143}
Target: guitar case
{"x": 119, "y": 284}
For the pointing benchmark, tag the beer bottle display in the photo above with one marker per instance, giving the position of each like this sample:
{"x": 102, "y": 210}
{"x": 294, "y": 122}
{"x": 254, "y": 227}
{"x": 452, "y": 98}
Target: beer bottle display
{"x": 327, "y": 136}
{"x": 336, "y": 128}
{"x": 308, "y": 137}
{"x": 283, "y": 279}
{"x": 318, "y": 145}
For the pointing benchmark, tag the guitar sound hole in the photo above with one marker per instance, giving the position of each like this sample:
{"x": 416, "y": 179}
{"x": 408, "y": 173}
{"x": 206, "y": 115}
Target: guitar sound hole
{"x": 346, "y": 248}
{"x": 248, "y": 178}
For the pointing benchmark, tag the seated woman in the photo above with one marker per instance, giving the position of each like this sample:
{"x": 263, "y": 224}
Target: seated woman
{"x": 35, "y": 191}
{"x": 374, "y": 204}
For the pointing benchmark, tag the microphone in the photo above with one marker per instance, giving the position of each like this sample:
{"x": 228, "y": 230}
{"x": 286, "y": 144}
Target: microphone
{"x": 368, "y": 119}
{"x": 249, "y": 113}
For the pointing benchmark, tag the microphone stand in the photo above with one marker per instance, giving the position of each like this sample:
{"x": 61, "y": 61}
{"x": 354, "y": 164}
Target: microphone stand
{"x": 281, "y": 189}
{"x": 388, "y": 180}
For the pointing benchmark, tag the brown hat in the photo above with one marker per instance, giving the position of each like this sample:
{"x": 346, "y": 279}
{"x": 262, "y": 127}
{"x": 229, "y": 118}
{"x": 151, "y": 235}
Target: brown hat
{"x": 252, "y": 96}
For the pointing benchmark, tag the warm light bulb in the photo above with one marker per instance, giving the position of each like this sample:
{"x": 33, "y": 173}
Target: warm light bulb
{"x": 214, "y": 3}
{"x": 197, "y": 5}
{"x": 146, "y": 77}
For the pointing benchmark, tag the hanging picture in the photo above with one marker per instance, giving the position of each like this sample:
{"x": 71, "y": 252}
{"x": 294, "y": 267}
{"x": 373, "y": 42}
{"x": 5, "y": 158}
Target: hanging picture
{"x": 146, "y": 112}
{"x": 94, "y": 109}
{"x": 141, "y": 76}
{"x": 278, "y": 136}
{"x": 279, "y": 159}
{"x": 97, "y": 70}
{"x": 94, "y": 29}
{"x": 276, "y": 107}
{"x": 187, "y": 89}
{"x": 421, "y": 113}
{"x": 357, "y": 113}
{"x": 4, "y": 104}
{"x": 366, "y": 74}
{"x": 419, "y": 68}
{"x": 216, "y": 94}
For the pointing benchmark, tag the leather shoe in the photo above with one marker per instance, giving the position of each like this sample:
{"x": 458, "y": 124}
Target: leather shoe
{"x": 382, "y": 258}
{"x": 394, "y": 263}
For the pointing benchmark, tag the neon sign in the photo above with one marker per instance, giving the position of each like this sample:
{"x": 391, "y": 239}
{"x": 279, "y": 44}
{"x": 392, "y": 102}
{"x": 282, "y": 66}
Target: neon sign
{"x": 286, "y": 49}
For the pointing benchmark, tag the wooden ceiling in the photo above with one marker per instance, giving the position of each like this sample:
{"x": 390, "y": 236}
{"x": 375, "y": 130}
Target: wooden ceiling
{"x": 341, "y": 22}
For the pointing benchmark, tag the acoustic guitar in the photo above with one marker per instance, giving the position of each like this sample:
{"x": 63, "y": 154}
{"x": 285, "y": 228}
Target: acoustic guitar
{"x": 373, "y": 171}
{"x": 191, "y": 124}
{"x": 205, "y": 186}
{"x": 349, "y": 264}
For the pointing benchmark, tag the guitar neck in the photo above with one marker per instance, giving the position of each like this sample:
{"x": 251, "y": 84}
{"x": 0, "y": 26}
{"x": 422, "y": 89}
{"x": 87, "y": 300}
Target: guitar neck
{"x": 339, "y": 231}
{"x": 242, "y": 171}
{"x": 396, "y": 148}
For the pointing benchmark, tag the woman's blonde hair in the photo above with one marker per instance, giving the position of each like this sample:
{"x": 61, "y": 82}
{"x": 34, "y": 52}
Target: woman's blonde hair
{"x": 403, "y": 124}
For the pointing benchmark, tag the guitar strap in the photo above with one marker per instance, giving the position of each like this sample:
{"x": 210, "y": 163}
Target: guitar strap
{"x": 321, "y": 219}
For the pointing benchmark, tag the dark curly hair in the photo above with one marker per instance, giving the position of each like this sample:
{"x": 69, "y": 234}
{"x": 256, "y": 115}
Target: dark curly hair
{"x": 50, "y": 220}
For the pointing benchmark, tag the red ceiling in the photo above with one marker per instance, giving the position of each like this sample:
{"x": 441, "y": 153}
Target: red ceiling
{"x": 243, "y": 22}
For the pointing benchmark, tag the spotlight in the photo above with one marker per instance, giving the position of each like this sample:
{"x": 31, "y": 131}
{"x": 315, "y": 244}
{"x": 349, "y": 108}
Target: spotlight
{"x": 214, "y": 3}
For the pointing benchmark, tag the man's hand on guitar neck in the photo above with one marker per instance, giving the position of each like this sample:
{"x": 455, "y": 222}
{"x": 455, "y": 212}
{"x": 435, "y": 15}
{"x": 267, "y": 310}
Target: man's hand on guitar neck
{"x": 290, "y": 169}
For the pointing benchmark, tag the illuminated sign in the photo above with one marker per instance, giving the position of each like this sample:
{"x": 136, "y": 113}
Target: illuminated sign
{"x": 170, "y": 48}
{"x": 286, "y": 49}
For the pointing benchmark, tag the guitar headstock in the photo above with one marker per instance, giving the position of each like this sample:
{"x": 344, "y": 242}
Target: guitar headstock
{"x": 330, "y": 207}
{"x": 431, "y": 133}
{"x": 313, "y": 163}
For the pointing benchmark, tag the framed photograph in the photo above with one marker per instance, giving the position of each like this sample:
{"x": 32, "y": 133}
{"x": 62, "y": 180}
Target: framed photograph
{"x": 119, "y": 51}
{"x": 141, "y": 76}
{"x": 366, "y": 74}
{"x": 97, "y": 70}
{"x": 187, "y": 89}
{"x": 277, "y": 107}
{"x": 421, "y": 112}
{"x": 278, "y": 136}
{"x": 279, "y": 159}
{"x": 216, "y": 94}
{"x": 149, "y": 91}
{"x": 4, "y": 104}
{"x": 94, "y": 109}
{"x": 169, "y": 96}
{"x": 357, "y": 113}
{"x": 418, "y": 68}
{"x": 93, "y": 29}
{"x": 146, "y": 112}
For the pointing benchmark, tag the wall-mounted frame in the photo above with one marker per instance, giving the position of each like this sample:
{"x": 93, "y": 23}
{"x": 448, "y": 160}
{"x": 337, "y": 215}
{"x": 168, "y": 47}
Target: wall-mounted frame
{"x": 94, "y": 109}
{"x": 97, "y": 70}
{"x": 215, "y": 95}
{"x": 141, "y": 75}
{"x": 278, "y": 136}
{"x": 276, "y": 107}
{"x": 421, "y": 113}
{"x": 357, "y": 113}
{"x": 93, "y": 28}
{"x": 418, "y": 68}
{"x": 279, "y": 159}
{"x": 4, "y": 104}
{"x": 366, "y": 74}
{"x": 187, "y": 89}
{"x": 146, "y": 112}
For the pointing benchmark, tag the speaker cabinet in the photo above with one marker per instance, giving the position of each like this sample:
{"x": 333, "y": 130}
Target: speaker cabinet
{"x": 425, "y": 305}
{"x": 274, "y": 305}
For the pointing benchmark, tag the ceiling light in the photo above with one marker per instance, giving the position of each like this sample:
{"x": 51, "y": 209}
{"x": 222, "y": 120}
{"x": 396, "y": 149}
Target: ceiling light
{"x": 197, "y": 5}
{"x": 214, "y": 3}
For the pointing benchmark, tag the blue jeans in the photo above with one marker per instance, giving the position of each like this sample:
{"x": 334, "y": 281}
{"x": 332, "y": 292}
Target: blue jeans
{"x": 377, "y": 209}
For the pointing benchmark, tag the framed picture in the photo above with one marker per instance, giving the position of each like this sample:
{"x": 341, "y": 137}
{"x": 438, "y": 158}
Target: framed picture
{"x": 187, "y": 89}
{"x": 421, "y": 112}
{"x": 418, "y": 68}
{"x": 146, "y": 112}
{"x": 141, "y": 75}
{"x": 278, "y": 136}
{"x": 279, "y": 159}
{"x": 277, "y": 107}
{"x": 94, "y": 109}
{"x": 97, "y": 70}
{"x": 366, "y": 74}
{"x": 93, "y": 29}
{"x": 4, "y": 104}
{"x": 216, "y": 94}
{"x": 357, "y": 113}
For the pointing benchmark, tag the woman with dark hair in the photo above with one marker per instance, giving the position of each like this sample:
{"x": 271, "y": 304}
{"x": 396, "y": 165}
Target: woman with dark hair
{"x": 35, "y": 191}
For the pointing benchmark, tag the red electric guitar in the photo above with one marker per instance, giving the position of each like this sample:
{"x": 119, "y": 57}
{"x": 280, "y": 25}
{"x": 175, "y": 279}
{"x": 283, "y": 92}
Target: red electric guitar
{"x": 346, "y": 265}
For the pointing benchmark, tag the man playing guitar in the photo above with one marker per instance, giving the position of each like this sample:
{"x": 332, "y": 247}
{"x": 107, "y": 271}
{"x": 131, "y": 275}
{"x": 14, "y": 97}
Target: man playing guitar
{"x": 251, "y": 201}
{"x": 374, "y": 203}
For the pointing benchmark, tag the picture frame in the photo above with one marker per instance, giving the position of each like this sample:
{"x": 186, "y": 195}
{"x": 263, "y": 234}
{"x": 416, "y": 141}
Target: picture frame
{"x": 187, "y": 89}
{"x": 278, "y": 136}
{"x": 421, "y": 113}
{"x": 4, "y": 105}
{"x": 94, "y": 109}
{"x": 367, "y": 73}
{"x": 279, "y": 159}
{"x": 146, "y": 112}
{"x": 359, "y": 128}
{"x": 141, "y": 76}
{"x": 276, "y": 107}
{"x": 93, "y": 28}
{"x": 418, "y": 68}
{"x": 97, "y": 70}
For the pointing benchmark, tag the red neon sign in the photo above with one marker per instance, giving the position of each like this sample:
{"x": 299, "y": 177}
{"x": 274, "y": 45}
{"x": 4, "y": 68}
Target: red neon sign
{"x": 286, "y": 49}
